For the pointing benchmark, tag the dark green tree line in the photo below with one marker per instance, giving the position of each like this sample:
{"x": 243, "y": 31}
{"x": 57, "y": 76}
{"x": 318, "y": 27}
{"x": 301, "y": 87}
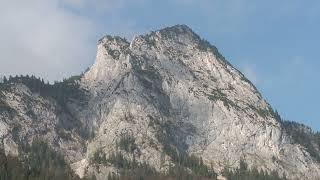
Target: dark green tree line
{"x": 40, "y": 163}
{"x": 244, "y": 173}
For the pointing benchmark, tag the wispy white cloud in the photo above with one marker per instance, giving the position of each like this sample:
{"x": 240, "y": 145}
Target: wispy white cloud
{"x": 56, "y": 38}
{"x": 40, "y": 37}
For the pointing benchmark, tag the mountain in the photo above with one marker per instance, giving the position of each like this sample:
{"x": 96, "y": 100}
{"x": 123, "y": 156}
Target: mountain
{"x": 165, "y": 102}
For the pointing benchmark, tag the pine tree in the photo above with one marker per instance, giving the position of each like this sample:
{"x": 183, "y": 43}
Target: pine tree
{"x": 5, "y": 79}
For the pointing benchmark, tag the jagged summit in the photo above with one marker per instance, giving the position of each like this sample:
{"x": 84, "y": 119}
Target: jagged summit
{"x": 173, "y": 30}
{"x": 178, "y": 30}
{"x": 183, "y": 28}
{"x": 177, "y": 43}
{"x": 177, "y": 34}
{"x": 179, "y": 37}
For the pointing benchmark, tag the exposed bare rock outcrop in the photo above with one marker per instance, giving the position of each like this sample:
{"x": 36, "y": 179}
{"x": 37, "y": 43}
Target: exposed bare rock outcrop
{"x": 169, "y": 91}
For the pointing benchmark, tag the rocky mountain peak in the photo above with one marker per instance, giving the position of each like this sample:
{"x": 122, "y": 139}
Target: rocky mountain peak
{"x": 179, "y": 28}
{"x": 173, "y": 52}
{"x": 173, "y": 79}
{"x": 178, "y": 40}
{"x": 164, "y": 97}
{"x": 178, "y": 31}
{"x": 114, "y": 42}
{"x": 178, "y": 36}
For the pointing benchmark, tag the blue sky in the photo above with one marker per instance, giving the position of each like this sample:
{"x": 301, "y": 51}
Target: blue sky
{"x": 275, "y": 43}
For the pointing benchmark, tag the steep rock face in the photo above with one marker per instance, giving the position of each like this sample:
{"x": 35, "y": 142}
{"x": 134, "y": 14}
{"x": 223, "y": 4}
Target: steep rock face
{"x": 25, "y": 116}
{"x": 170, "y": 91}
{"x": 174, "y": 82}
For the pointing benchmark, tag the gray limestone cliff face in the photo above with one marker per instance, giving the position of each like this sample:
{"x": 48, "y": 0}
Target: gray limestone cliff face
{"x": 168, "y": 88}
{"x": 171, "y": 80}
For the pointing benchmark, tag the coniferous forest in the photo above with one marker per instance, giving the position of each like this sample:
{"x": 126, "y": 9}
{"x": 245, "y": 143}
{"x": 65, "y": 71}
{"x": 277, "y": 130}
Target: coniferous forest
{"x": 244, "y": 173}
{"x": 60, "y": 91}
{"x": 41, "y": 163}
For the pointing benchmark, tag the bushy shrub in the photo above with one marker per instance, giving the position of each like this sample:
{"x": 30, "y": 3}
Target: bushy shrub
{"x": 127, "y": 143}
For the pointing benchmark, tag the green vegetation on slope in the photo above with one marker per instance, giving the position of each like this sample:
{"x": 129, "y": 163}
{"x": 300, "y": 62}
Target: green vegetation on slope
{"x": 244, "y": 173}
{"x": 40, "y": 163}
{"x": 127, "y": 143}
{"x": 301, "y": 134}
{"x": 60, "y": 91}
{"x": 304, "y": 136}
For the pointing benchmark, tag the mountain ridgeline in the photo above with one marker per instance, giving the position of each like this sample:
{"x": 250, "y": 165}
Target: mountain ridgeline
{"x": 166, "y": 105}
